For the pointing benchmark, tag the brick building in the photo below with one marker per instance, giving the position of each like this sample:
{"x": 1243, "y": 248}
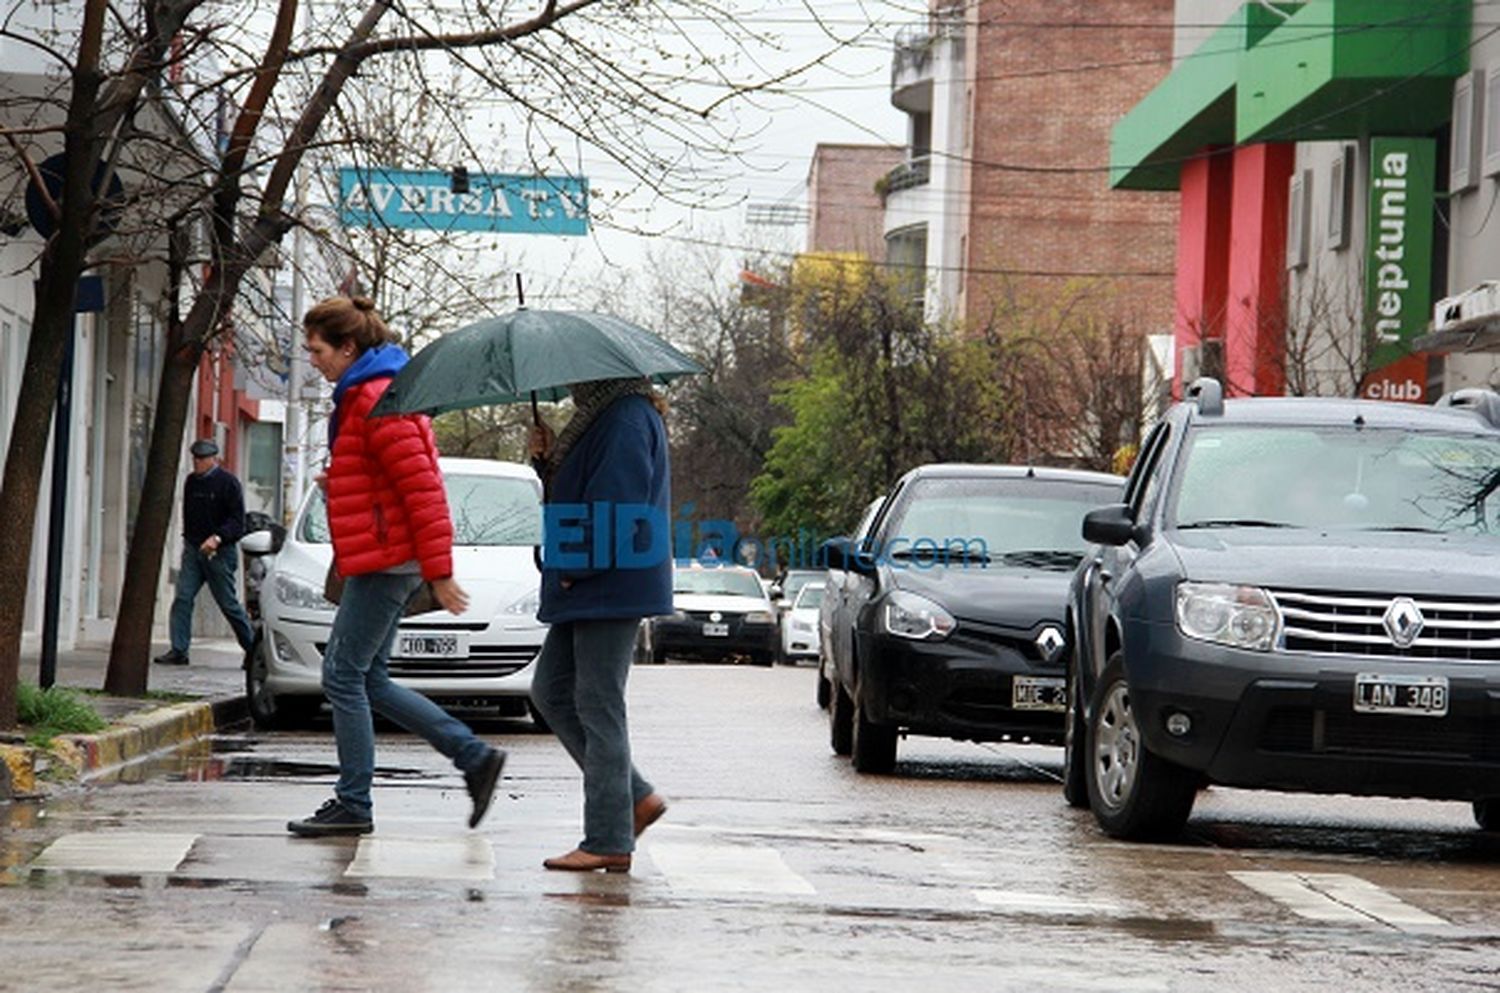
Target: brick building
{"x": 1004, "y": 195}
{"x": 844, "y": 212}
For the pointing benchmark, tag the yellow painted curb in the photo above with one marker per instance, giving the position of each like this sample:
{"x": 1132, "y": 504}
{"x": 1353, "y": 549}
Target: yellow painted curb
{"x": 138, "y": 735}
{"x": 18, "y": 778}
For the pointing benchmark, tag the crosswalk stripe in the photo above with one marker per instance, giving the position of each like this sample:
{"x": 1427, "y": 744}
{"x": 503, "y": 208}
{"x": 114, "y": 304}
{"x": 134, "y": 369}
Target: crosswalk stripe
{"x": 1051, "y": 904}
{"x": 116, "y": 851}
{"x": 1337, "y": 898}
{"x": 468, "y": 857}
{"x": 726, "y": 869}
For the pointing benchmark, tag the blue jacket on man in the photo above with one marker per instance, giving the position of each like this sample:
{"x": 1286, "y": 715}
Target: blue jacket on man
{"x": 608, "y": 521}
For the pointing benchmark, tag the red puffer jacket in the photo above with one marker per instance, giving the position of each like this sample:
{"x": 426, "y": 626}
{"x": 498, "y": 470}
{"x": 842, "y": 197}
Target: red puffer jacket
{"x": 386, "y": 504}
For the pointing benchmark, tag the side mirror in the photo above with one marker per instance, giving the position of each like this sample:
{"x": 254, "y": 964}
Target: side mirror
{"x": 264, "y": 542}
{"x": 1110, "y": 525}
{"x": 842, "y": 554}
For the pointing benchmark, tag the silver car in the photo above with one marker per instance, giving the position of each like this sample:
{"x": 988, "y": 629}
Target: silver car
{"x": 483, "y": 657}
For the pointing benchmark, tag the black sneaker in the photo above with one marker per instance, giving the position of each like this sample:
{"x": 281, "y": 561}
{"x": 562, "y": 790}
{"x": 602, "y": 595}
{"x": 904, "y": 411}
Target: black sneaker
{"x": 481, "y": 783}
{"x": 172, "y": 657}
{"x": 333, "y": 818}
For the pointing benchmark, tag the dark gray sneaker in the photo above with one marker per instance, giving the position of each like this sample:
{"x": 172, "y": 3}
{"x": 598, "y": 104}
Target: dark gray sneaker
{"x": 333, "y": 818}
{"x": 172, "y": 657}
{"x": 481, "y": 783}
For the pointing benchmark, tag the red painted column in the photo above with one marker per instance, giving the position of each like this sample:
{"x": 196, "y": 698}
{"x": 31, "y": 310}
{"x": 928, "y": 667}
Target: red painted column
{"x": 1202, "y": 252}
{"x": 1255, "y": 334}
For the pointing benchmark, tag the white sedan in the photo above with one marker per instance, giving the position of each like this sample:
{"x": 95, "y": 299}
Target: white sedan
{"x": 482, "y": 657}
{"x": 799, "y": 627}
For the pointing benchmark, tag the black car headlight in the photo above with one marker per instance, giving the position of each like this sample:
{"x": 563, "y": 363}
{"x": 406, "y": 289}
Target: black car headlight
{"x": 1237, "y": 616}
{"x": 907, "y": 615}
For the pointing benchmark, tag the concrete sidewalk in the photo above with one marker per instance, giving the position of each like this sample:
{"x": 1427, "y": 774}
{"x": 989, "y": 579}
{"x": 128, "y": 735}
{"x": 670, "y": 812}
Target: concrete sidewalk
{"x": 213, "y": 685}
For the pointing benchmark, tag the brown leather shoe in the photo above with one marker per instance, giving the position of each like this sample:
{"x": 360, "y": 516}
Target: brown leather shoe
{"x": 648, "y": 811}
{"x": 579, "y": 860}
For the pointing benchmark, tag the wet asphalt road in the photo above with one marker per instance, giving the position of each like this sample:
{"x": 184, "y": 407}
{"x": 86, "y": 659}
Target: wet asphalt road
{"x": 777, "y": 868}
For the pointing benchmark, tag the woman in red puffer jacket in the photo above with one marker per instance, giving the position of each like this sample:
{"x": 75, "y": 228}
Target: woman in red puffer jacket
{"x": 389, "y": 517}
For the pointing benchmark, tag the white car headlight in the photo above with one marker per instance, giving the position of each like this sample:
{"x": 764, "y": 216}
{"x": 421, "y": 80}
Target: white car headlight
{"x": 1237, "y": 616}
{"x": 760, "y": 617}
{"x": 295, "y": 592}
{"x": 527, "y": 606}
{"x": 802, "y": 626}
{"x": 907, "y": 615}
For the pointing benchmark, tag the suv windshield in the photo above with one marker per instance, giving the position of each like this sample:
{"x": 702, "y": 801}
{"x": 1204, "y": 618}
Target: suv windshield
{"x": 1338, "y": 477}
{"x": 717, "y": 582}
{"x": 487, "y": 511}
{"x": 996, "y": 519}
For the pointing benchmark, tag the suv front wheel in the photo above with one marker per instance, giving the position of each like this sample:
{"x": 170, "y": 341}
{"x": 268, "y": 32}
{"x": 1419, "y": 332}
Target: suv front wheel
{"x": 1134, "y": 793}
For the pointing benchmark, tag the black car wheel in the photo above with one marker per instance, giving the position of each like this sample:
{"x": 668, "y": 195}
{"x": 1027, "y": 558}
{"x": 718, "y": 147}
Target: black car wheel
{"x": 1075, "y": 749}
{"x": 825, "y": 688}
{"x": 840, "y": 721}
{"x": 1134, "y": 793}
{"x": 1487, "y": 813}
{"x": 874, "y": 745}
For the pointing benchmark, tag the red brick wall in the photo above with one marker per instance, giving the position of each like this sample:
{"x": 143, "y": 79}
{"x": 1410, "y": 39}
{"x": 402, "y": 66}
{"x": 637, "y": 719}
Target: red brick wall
{"x": 845, "y": 211}
{"x": 1065, "y": 222}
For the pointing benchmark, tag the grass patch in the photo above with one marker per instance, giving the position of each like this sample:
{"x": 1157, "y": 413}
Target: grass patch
{"x": 45, "y": 714}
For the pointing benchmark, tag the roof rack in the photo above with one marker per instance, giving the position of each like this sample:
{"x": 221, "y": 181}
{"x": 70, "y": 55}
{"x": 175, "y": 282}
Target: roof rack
{"x": 1485, "y": 403}
{"x": 1208, "y": 394}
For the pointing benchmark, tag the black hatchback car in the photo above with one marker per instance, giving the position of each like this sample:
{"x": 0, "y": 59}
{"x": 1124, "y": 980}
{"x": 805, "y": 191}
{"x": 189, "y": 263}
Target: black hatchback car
{"x": 1297, "y": 594}
{"x": 956, "y": 602}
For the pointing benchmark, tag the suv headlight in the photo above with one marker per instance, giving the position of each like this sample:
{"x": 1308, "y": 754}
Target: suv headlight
{"x": 1238, "y": 616}
{"x": 296, "y": 593}
{"x": 907, "y": 615}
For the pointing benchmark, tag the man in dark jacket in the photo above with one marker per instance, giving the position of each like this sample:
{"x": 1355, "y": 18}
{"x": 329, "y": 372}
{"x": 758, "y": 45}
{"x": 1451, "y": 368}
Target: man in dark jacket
{"x": 213, "y": 520}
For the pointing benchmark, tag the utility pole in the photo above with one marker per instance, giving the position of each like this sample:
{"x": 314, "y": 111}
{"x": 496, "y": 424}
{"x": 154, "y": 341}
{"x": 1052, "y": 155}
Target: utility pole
{"x": 296, "y": 409}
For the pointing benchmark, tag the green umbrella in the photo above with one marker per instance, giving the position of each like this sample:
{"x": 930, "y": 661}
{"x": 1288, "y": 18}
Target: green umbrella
{"x": 528, "y": 355}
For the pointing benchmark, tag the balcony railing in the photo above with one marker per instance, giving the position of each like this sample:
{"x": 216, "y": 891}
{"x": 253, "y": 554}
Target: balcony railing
{"x": 913, "y": 53}
{"x": 916, "y": 172}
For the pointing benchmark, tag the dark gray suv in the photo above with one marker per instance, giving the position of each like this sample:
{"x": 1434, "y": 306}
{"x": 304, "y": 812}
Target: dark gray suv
{"x": 1297, "y": 594}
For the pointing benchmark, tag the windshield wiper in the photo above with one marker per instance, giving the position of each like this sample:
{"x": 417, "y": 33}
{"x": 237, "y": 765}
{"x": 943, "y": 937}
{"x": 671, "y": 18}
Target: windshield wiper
{"x": 945, "y": 555}
{"x": 1405, "y": 529}
{"x": 1044, "y": 558}
{"x": 1234, "y": 522}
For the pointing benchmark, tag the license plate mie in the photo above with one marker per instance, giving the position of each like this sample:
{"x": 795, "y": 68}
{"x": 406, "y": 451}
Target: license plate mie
{"x": 1038, "y": 693}
{"x": 1419, "y": 696}
{"x": 716, "y": 630}
{"x": 429, "y": 646}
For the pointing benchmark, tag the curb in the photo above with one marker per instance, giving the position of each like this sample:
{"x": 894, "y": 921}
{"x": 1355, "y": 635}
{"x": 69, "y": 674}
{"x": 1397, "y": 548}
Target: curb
{"x": 130, "y": 739}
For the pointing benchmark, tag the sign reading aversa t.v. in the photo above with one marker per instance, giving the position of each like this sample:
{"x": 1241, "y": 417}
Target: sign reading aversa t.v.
{"x": 423, "y": 200}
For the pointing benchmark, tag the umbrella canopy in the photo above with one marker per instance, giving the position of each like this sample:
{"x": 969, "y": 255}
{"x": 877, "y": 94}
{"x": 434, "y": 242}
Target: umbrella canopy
{"x": 528, "y": 355}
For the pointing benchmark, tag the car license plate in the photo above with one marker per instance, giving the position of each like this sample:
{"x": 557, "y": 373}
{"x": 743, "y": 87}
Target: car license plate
{"x": 1038, "y": 693}
{"x": 716, "y": 630}
{"x": 1422, "y": 696}
{"x": 432, "y": 645}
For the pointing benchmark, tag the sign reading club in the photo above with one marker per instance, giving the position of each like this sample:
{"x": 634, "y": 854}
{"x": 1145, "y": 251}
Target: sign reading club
{"x": 498, "y": 202}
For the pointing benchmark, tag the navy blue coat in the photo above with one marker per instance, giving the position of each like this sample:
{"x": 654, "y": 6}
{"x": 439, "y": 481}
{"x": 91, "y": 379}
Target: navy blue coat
{"x": 608, "y": 521}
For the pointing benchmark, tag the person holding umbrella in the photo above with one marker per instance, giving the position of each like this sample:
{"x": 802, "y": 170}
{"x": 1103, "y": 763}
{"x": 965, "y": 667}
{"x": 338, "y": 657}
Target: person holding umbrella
{"x": 611, "y": 455}
{"x": 388, "y": 515}
{"x": 614, "y": 453}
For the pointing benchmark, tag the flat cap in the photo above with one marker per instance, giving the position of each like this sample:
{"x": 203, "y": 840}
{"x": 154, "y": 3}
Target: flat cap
{"x": 203, "y": 448}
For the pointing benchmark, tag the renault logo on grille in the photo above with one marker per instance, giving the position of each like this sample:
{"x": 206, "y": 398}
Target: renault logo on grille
{"x": 1050, "y": 643}
{"x": 1403, "y": 622}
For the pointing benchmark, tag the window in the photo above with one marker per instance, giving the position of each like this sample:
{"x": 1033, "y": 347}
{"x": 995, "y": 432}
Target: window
{"x": 1340, "y": 197}
{"x": 1490, "y": 114}
{"x": 1468, "y": 94}
{"x": 1296, "y": 226}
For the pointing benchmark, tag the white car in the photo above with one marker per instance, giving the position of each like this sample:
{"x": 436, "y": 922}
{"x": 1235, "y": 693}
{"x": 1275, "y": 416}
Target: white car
{"x": 482, "y": 657}
{"x": 799, "y": 626}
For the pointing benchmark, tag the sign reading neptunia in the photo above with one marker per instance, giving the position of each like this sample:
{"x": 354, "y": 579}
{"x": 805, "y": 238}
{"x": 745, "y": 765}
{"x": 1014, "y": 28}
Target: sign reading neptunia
{"x": 497, "y": 202}
{"x": 1398, "y": 259}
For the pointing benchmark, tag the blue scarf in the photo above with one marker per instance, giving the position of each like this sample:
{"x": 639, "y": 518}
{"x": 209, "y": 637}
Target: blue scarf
{"x": 379, "y": 362}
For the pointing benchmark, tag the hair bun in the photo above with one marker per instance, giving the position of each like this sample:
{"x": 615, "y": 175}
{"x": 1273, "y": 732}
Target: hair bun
{"x": 364, "y": 304}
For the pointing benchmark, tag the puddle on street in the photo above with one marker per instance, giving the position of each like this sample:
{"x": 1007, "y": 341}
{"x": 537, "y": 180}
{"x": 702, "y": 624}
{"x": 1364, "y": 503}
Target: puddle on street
{"x": 1374, "y": 842}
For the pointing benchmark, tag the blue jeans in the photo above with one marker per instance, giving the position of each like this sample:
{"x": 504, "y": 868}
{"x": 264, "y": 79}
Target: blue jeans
{"x": 356, "y": 678}
{"x": 579, "y": 687}
{"x": 219, "y": 573}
